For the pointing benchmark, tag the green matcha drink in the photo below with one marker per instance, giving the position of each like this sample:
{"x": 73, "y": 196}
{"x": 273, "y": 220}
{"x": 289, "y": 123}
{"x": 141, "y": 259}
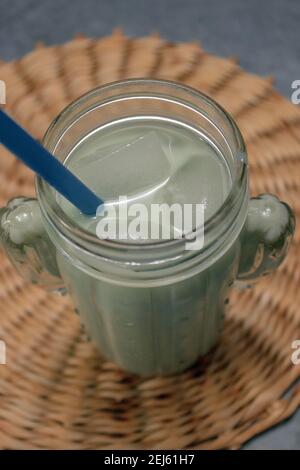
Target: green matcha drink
{"x": 151, "y": 305}
{"x": 149, "y": 162}
{"x": 164, "y": 328}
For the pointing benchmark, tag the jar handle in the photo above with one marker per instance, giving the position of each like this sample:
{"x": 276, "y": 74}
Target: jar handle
{"x": 27, "y": 244}
{"x": 266, "y": 236}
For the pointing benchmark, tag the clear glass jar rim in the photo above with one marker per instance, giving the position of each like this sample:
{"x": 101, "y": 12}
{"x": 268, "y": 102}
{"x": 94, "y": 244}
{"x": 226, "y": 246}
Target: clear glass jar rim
{"x": 61, "y": 219}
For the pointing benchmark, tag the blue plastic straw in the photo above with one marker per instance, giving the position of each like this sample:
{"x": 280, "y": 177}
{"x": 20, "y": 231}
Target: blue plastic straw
{"x": 34, "y": 155}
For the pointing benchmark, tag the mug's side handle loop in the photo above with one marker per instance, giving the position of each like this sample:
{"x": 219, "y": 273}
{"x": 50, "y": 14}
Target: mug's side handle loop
{"x": 266, "y": 236}
{"x": 27, "y": 243}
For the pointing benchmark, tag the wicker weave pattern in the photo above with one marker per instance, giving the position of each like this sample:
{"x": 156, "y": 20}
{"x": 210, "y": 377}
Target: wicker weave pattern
{"x": 55, "y": 391}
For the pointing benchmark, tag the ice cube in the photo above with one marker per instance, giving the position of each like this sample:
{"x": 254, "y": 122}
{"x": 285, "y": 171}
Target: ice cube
{"x": 132, "y": 170}
{"x": 202, "y": 178}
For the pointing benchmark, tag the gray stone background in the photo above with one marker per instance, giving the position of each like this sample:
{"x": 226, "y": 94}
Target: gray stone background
{"x": 264, "y": 34}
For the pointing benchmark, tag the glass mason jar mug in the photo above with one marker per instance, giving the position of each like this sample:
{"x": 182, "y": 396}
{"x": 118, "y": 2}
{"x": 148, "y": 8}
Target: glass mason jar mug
{"x": 153, "y": 308}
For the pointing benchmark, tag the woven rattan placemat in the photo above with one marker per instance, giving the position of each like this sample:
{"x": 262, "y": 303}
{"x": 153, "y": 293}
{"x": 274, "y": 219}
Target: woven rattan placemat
{"x": 55, "y": 390}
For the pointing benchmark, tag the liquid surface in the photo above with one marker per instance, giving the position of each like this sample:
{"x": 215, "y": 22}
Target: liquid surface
{"x": 149, "y": 162}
